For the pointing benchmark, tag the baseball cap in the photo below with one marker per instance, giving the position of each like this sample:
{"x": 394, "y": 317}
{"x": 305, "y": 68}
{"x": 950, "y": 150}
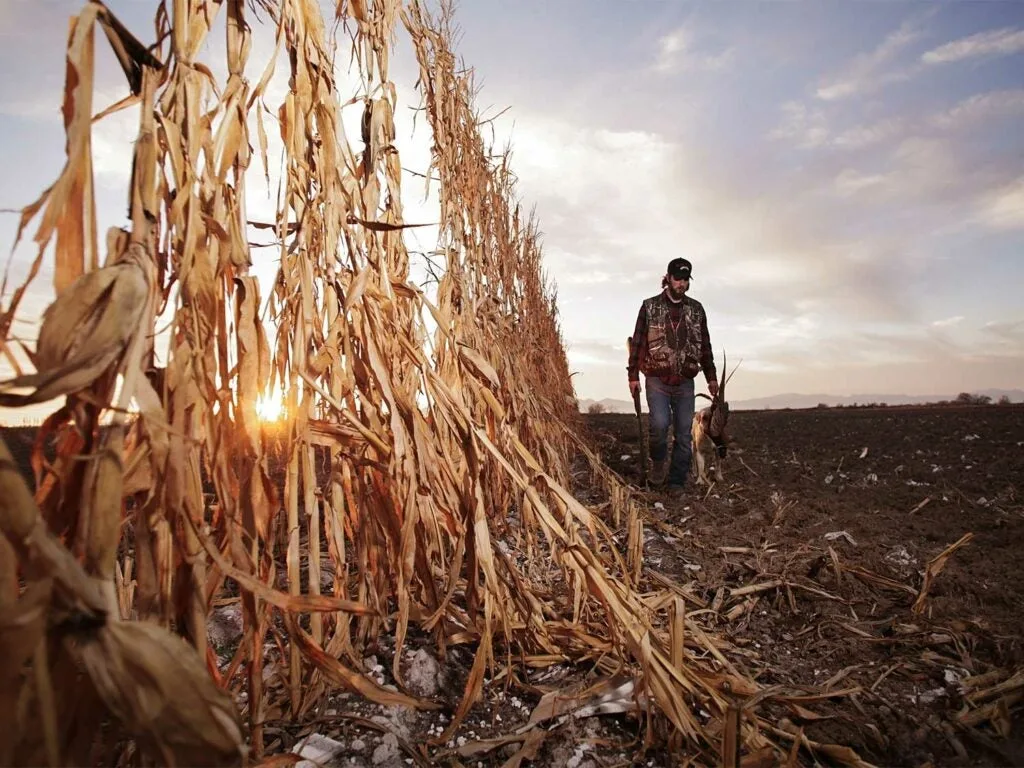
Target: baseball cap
{"x": 679, "y": 269}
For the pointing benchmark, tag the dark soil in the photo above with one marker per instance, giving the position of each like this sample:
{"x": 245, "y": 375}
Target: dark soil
{"x": 903, "y": 484}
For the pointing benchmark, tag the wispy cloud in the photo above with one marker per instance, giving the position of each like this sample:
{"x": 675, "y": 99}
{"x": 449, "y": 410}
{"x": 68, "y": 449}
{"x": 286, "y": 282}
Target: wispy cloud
{"x": 936, "y": 180}
{"x": 807, "y": 127}
{"x": 113, "y": 144}
{"x": 861, "y": 136}
{"x": 869, "y": 71}
{"x": 588, "y": 278}
{"x": 596, "y": 352}
{"x": 980, "y": 108}
{"x": 600, "y": 194}
{"x": 1003, "y": 208}
{"x": 995, "y": 42}
{"x": 852, "y": 182}
{"x": 810, "y": 127}
{"x": 1006, "y": 331}
{"x": 933, "y": 347}
{"x": 677, "y": 53}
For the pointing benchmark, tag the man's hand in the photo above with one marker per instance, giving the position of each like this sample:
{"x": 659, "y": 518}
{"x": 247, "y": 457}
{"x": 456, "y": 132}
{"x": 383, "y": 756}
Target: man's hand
{"x": 634, "y": 388}
{"x": 713, "y": 388}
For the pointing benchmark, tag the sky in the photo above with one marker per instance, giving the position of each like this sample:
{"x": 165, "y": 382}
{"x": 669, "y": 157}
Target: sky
{"x": 846, "y": 177}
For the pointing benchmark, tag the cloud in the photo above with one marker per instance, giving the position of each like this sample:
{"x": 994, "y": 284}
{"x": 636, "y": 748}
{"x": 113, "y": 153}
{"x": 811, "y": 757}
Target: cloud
{"x": 588, "y": 278}
{"x": 1006, "y": 332}
{"x": 862, "y": 136}
{"x": 602, "y": 196}
{"x": 943, "y": 343}
{"x": 907, "y": 360}
{"x": 616, "y": 205}
{"x": 995, "y": 42}
{"x": 936, "y": 180}
{"x": 113, "y": 146}
{"x": 868, "y": 71}
{"x": 1003, "y": 208}
{"x": 979, "y": 109}
{"x": 676, "y": 54}
{"x": 808, "y": 128}
{"x": 851, "y": 182}
{"x": 596, "y": 352}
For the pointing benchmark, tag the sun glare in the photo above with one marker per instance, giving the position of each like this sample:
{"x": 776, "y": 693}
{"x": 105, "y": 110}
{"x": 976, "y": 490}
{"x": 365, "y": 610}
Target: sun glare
{"x": 107, "y": 418}
{"x": 270, "y": 407}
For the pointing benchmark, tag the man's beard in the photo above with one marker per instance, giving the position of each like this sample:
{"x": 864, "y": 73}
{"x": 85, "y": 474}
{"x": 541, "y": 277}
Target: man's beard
{"x": 676, "y": 295}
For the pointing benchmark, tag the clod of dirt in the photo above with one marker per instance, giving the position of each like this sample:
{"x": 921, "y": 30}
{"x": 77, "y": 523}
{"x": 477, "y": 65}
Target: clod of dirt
{"x": 396, "y": 719}
{"x": 225, "y": 625}
{"x": 423, "y": 677}
{"x": 899, "y": 556}
{"x": 836, "y": 535}
{"x": 572, "y": 756}
{"x": 317, "y": 750}
{"x": 374, "y": 669}
{"x": 388, "y": 754}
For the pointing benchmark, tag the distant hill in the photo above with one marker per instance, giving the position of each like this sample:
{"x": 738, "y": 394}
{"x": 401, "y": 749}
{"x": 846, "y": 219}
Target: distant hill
{"x": 610, "y": 405}
{"x": 795, "y": 400}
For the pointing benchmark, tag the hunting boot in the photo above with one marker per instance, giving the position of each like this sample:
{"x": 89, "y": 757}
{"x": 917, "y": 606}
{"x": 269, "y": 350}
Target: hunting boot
{"x": 659, "y": 472}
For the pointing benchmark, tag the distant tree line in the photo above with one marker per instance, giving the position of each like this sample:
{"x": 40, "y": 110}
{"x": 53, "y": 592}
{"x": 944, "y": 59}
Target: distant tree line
{"x": 964, "y": 398}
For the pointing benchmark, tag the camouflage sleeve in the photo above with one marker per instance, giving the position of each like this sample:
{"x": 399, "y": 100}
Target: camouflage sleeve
{"x": 639, "y": 344}
{"x": 707, "y": 362}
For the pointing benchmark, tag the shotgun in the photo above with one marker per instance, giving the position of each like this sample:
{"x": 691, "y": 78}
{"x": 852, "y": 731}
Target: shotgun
{"x": 639, "y": 420}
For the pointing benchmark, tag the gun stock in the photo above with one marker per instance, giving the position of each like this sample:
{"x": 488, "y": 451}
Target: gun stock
{"x": 639, "y": 418}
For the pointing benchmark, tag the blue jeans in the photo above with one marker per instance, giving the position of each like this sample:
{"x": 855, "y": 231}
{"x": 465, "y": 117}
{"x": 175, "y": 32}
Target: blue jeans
{"x": 667, "y": 403}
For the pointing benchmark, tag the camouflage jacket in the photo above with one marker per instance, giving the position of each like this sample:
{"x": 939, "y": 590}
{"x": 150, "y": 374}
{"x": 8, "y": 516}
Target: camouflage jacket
{"x": 671, "y": 341}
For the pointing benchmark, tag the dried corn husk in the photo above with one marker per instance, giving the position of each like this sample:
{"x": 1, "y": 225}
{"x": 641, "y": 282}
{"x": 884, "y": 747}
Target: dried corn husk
{"x": 156, "y": 685}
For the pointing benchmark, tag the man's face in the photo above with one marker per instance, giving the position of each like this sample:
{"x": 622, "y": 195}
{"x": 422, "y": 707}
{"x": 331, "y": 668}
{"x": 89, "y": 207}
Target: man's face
{"x": 677, "y": 287}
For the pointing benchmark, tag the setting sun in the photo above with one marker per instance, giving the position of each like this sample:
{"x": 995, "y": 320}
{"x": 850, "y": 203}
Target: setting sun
{"x": 270, "y": 407}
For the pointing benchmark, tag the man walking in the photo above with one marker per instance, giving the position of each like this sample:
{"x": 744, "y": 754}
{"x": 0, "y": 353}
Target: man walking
{"x": 670, "y": 346}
